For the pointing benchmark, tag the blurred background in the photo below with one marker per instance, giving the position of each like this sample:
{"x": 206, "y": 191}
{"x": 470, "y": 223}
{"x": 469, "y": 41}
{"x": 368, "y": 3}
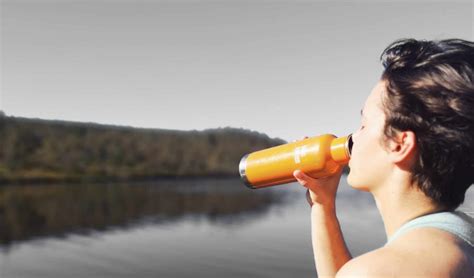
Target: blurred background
{"x": 122, "y": 124}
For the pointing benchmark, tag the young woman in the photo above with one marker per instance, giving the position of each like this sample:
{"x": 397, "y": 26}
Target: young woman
{"x": 414, "y": 151}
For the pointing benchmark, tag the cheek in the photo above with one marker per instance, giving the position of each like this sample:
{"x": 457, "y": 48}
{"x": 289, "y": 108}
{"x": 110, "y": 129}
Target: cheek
{"x": 357, "y": 163}
{"x": 359, "y": 150}
{"x": 368, "y": 166}
{"x": 364, "y": 162}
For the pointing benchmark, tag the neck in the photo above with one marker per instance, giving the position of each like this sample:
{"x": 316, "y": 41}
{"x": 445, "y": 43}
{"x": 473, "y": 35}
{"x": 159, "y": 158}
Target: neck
{"x": 399, "y": 202}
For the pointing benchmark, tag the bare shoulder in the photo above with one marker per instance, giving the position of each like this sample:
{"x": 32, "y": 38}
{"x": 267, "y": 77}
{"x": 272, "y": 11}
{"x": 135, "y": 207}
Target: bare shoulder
{"x": 379, "y": 262}
{"x": 421, "y": 252}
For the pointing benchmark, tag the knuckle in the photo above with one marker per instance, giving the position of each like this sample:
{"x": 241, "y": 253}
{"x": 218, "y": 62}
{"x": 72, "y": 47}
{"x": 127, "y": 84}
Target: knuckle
{"x": 303, "y": 182}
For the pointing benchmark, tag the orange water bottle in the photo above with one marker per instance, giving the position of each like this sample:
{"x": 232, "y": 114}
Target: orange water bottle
{"x": 319, "y": 156}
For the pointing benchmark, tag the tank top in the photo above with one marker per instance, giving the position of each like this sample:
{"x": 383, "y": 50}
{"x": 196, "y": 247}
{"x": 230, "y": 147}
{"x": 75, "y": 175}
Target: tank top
{"x": 455, "y": 222}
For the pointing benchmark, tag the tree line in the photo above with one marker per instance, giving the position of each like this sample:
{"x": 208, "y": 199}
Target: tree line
{"x": 50, "y": 150}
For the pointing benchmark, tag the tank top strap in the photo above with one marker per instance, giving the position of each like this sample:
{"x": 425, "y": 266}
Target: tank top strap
{"x": 454, "y": 222}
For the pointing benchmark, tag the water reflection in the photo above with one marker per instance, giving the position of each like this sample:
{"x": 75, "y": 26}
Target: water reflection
{"x": 184, "y": 228}
{"x": 31, "y": 211}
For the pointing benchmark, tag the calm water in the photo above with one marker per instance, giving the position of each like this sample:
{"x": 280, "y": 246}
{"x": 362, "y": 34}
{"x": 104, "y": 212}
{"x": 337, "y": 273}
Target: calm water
{"x": 172, "y": 228}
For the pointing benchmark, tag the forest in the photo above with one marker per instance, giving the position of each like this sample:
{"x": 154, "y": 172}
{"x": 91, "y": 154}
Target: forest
{"x": 37, "y": 150}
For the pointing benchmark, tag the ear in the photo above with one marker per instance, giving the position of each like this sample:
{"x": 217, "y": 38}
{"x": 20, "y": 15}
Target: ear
{"x": 402, "y": 148}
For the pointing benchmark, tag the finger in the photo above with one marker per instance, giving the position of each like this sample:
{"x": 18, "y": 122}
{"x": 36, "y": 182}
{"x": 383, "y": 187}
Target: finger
{"x": 300, "y": 174}
{"x": 301, "y": 177}
{"x": 302, "y": 138}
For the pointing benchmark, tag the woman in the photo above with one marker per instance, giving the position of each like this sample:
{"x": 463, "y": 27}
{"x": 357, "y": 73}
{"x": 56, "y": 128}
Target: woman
{"x": 414, "y": 151}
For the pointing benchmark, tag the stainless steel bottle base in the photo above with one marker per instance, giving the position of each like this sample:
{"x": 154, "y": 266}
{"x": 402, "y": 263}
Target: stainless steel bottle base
{"x": 243, "y": 176}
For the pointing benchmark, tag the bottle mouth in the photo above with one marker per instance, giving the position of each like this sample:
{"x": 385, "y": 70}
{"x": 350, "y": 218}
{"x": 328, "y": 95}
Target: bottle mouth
{"x": 349, "y": 144}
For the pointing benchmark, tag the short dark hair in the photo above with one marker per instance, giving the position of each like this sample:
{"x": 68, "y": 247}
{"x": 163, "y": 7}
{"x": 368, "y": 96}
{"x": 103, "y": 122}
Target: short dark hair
{"x": 430, "y": 91}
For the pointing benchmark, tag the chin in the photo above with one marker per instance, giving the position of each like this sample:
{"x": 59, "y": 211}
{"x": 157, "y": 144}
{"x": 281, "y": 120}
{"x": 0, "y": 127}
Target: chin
{"x": 356, "y": 183}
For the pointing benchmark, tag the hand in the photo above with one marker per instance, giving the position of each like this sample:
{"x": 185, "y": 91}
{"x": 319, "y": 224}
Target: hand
{"x": 321, "y": 191}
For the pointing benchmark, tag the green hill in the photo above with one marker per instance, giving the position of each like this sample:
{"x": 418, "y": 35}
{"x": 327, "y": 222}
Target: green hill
{"x": 35, "y": 150}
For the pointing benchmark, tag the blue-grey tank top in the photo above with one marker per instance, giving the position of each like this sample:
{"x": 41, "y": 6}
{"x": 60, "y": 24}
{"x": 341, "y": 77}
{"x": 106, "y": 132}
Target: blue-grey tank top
{"x": 456, "y": 222}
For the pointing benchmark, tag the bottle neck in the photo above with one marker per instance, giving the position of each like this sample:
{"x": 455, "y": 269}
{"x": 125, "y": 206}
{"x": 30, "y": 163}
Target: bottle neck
{"x": 341, "y": 149}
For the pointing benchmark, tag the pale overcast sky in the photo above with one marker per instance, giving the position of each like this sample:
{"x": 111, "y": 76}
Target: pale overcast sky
{"x": 285, "y": 68}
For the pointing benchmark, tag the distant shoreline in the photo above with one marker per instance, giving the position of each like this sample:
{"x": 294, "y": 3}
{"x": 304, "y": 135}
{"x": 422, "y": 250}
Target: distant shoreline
{"x": 48, "y": 151}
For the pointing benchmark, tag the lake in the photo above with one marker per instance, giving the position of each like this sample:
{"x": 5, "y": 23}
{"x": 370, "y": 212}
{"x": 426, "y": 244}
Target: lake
{"x": 207, "y": 227}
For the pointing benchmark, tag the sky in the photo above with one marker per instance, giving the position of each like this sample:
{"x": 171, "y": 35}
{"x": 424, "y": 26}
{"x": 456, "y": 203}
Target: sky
{"x": 285, "y": 68}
